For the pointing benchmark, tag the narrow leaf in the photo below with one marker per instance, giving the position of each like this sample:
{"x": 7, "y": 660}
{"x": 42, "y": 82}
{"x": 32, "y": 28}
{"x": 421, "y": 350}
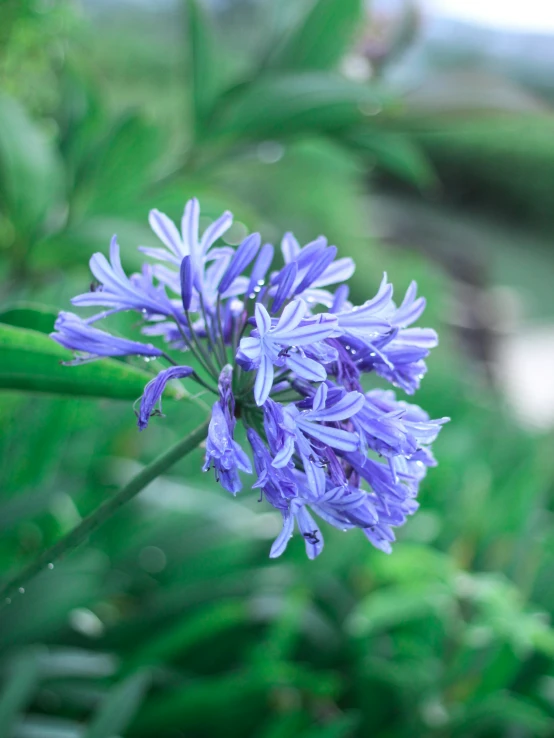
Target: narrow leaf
{"x": 288, "y": 104}
{"x": 20, "y": 684}
{"x": 30, "y": 315}
{"x": 204, "y": 64}
{"x": 30, "y": 173}
{"x": 118, "y": 708}
{"x": 31, "y": 361}
{"x": 322, "y": 38}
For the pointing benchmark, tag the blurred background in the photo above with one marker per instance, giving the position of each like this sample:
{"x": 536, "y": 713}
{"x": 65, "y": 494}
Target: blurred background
{"x": 417, "y": 136}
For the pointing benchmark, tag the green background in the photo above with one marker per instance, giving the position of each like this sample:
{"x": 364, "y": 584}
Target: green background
{"x": 172, "y": 621}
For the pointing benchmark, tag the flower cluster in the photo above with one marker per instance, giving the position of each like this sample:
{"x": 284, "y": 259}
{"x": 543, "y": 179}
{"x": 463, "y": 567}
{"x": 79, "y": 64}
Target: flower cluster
{"x": 287, "y": 356}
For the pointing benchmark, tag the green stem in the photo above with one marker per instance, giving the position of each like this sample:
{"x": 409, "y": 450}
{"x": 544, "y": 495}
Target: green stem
{"x": 103, "y": 513}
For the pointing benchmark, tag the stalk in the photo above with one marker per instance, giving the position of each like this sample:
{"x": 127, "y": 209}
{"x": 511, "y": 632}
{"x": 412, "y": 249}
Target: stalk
{"x": 103, "y": 513}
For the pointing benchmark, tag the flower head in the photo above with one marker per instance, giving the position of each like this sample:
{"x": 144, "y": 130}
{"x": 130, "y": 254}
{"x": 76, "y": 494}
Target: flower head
{"x": 285, "y": 353}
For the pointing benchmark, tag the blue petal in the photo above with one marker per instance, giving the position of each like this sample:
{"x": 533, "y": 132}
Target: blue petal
{"x": 263, "y": 320}
{"x": 264, "y": 380}
{"x": 285, "y": 281}
{"x": 335, "y": 437}
{"x": 310, "y": 531}
{"x": 306, "y": 368}
{"x": 281, "y": 542}
{"x": 345, "y": 408}
{"x": 154, "y": 389}
{"x": 186, "y": 282}
{"x": 215, "y": 230}
{"x": 167, "y": 232}
{"x": 292, "y": 316}
{"x": 242, "y": 258}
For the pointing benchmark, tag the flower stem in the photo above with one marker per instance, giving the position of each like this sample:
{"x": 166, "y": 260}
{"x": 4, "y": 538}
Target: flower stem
{"x": 103, "y": 513}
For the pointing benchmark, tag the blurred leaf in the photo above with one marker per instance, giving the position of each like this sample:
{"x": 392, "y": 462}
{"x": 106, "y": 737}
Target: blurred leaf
{"x": 75, "y": 244}
{"x": 340, "y": 727}
{"x": 286, "y": 105}
{"x": 322, "y": 37}
{"x": 118, "y": 708}
{"x": 394, "y": 606}
{"x": 30, "y": 174}
{"x": 122, "y": 167}
{"x": 29, "y": 315}
{"x": 30, "y": 361}
{"x": 396, "y": 154}
{"x": 205, "y": 64}
{"x": 21, "y": 682}
{"x": 199, "y": 628}
{"x": 503, "y": 710}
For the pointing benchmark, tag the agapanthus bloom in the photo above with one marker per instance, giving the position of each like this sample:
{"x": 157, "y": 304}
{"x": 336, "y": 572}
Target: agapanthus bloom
{"x": 285, "y": 353}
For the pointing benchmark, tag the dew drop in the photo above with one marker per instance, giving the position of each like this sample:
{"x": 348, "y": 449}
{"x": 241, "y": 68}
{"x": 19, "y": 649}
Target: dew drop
{"x": 21, "y": 590}
{"x": 50, "y": 566}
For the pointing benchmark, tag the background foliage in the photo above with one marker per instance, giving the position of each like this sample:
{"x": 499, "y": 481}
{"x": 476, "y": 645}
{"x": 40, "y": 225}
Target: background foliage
{"x": 172, "y": 621}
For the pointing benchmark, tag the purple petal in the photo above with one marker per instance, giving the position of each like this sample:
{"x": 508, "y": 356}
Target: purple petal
{"x": 154, "y": 389}
{"x": 311, "y": 253}
{"x": 281, "y": 542}
{"x": 289, "y": 247}
{"x": 166, "y": 231}
{"x": 306, "y": 368}
{"x": 215, "y": 230}
{"x": 186, "y": 282}
{"x": 320, "y": 398}
{"x": 334, "y": 437}
{"x": 285, "y": 281}
{"x": 264, "y": 380}
{"x": 189, "y": 227}
{"x": 263, "y": 319}
{"x": 283, "y": 456}
{"x": 292, "y": 315}
{"x": 345, "y": 408}
{"x": 315, "y": 271}
{"x": 259, "y": 270}
{"x": 242, "y": 258}
{"x": 341, "y": 295}
{"x": 311, "y": 331}
{"x": 310, "y": 531}
{"x": 339, "y": 271}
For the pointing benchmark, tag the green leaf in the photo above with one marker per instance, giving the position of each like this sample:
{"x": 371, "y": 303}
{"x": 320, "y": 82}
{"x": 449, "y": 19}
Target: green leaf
{"x": 118, "y": 708}
{"x": 286, "y": 105}
{"x": 322, "y": 38}
{"x": 30, "y": 174}
{"x": 20, "y": 684}
{"x": 30, "y": 315}
{"x": 30, "y": 361}
{"x": 500, "y": 712}
{"x": 123, "y": 166}
{"x": 396, "y": 154}
{"x": 393, "y": 606}
{"x": 198, "y": 628}
{"x": 204, "y": 64}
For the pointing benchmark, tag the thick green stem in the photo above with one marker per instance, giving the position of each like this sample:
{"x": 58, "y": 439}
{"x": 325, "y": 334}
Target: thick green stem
{"x": 93, "y": 521}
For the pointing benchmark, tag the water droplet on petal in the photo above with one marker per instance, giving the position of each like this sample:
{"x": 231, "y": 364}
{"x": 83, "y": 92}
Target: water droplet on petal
{"x": 50, "y": 566}
{"x": 21, "y": 590}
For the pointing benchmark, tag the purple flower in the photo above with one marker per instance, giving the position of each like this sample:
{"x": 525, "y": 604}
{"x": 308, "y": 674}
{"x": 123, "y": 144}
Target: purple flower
{"x": 307, "y": 258}
{"x": 281, "y": 345}
{"x": 322, "y": 449}
{"x": 222, "y": 451}
{"x": 74, "y": 333}
{"x": 120, "y": 292}
{"x": 154, "y": 390}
